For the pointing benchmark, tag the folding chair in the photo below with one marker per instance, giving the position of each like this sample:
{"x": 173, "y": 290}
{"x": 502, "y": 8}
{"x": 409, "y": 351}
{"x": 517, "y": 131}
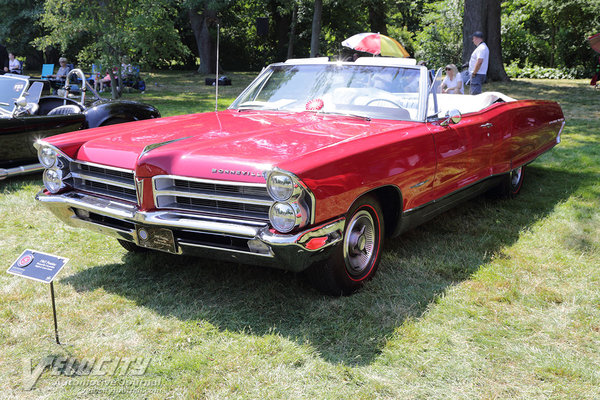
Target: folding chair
{"x": 47, "y": 70}
{"x": 94, "y": 78}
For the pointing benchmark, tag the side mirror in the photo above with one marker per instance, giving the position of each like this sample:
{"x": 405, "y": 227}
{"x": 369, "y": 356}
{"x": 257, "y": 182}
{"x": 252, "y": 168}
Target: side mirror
{"x": 452, "y": 117}
{"x": 21, "y": 102}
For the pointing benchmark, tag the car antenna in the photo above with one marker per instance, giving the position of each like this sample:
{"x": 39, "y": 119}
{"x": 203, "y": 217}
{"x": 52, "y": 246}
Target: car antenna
{"x": 217, "y": 73}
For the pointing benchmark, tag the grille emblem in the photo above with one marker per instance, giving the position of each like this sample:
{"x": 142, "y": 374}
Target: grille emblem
{"x": 139, "y": 190}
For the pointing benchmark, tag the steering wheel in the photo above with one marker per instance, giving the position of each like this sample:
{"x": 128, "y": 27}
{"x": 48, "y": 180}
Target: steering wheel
{"x": 387, "y": 100}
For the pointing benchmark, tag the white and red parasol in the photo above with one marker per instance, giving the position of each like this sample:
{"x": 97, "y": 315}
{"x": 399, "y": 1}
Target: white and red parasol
{"x": 376, "y": 43}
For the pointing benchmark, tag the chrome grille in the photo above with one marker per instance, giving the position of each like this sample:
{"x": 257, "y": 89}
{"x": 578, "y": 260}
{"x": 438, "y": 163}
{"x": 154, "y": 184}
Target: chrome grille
{"x": 248, "y": 200}
{"x": 108, "y": 181}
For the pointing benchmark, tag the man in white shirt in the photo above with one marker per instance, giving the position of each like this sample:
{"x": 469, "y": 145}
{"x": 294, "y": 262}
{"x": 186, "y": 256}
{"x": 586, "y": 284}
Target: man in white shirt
{"x": 478, "y": 64}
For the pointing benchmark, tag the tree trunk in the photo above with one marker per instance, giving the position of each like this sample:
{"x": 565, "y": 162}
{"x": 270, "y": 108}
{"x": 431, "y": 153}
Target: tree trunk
{"x": 316, "y": 28}
{"x": 281, "y": 24}
{"x": 377, "y": 12}
{"x": 290, "y": 51}
{"x": 484, "y": 16}
{"x": 206, "y": 47}
{"x": 553, "y": 45}
{"x": 113, "y": 84}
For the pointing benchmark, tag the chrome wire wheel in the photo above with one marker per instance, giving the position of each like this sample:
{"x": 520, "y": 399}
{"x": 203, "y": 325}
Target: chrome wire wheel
{"x": 359, "y": 244}
{"x": 516, "y": 176}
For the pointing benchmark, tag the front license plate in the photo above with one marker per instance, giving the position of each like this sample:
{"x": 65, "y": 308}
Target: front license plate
{"x": 156, "y": 238}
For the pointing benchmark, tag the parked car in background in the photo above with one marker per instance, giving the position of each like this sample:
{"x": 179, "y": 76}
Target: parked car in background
{"x": 26, "y": 116}
{"x": 313, "y": 165}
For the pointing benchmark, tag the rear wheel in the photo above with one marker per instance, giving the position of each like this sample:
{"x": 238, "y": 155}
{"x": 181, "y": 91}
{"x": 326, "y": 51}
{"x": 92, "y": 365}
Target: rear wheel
{"x": 511, "y": 183}
{"x": 356, "y": 259}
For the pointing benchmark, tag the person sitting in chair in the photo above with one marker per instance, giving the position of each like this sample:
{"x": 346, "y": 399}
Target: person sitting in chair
{"x": 452, "y": 83}
{"x": 63, "y": 70}
{"x": 14, "y": 65}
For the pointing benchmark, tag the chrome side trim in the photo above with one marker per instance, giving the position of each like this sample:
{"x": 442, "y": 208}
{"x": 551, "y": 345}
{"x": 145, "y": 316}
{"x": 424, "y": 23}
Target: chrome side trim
{"x": 25, "y": 169}
{"x": 417, "y": 208}
{"x": 419, "y": 184}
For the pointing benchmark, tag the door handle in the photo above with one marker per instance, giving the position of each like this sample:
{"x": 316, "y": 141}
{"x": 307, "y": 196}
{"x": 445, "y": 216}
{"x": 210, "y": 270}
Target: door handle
{"x": 488, "y": 125}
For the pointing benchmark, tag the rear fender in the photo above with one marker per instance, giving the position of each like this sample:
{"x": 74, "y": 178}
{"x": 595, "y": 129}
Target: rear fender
{"x": 124, "y": 111}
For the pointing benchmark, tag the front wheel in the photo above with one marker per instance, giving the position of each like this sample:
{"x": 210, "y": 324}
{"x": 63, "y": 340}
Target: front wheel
{"x": 356, "y": 259}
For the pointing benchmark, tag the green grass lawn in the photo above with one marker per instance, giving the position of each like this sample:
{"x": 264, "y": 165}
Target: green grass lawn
{"x": 491, "y": 300}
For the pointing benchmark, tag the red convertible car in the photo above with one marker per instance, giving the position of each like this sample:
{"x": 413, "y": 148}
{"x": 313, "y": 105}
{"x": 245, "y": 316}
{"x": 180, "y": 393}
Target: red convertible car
{"x": 311, "y": 167}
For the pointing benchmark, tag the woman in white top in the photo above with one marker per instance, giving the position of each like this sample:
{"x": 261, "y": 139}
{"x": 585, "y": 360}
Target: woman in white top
{"x": 14, "y": 65}
{"x": 452, "y": 83}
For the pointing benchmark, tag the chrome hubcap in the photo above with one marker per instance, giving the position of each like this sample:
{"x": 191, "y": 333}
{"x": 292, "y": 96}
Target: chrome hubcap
{"x": 359, "y": 243}
{"x": 515, "y": 177}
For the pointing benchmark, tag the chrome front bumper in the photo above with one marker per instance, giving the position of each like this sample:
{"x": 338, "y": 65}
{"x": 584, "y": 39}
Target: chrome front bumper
{"x": 241, "y": 241}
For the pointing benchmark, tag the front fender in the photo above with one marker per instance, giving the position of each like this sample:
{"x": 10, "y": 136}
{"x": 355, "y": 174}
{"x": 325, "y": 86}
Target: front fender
{"x": 102, "y": 112}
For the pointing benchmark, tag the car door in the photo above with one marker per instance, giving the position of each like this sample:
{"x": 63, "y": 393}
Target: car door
{"x": 463, "y": 153}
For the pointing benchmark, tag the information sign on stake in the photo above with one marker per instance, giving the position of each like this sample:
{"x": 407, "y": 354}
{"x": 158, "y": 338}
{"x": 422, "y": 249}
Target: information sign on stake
{"x": 41, "y": 267}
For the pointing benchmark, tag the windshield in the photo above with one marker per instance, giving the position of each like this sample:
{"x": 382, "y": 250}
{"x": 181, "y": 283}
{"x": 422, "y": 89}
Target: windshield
{"x": 361, "y": 90}
{"x": 10, "y": 90}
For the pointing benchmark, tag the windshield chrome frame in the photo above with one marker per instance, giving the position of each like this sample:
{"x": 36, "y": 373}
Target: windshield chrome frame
{"x": 422, "y": 92}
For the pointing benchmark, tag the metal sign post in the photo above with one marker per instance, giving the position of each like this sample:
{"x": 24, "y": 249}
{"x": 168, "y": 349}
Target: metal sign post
{"x": 40, "y": 267}
{"x": 54, "y": 312}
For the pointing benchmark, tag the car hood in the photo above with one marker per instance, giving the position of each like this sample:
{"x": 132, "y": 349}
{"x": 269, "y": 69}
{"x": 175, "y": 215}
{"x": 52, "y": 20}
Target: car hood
{"x": 228, "y": 145}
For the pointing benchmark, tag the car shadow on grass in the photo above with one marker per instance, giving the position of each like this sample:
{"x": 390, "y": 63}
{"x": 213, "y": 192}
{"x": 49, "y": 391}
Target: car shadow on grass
{"x": 17, "y": 183}
{"x": 416, "y": 268}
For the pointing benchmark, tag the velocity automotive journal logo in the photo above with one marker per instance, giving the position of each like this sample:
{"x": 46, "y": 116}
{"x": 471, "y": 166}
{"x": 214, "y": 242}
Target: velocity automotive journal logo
{"x": 93, "y": 375}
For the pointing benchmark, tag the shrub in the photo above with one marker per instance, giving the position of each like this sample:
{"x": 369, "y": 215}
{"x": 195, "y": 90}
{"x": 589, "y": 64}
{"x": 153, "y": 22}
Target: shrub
{"x": 535, "y": 71}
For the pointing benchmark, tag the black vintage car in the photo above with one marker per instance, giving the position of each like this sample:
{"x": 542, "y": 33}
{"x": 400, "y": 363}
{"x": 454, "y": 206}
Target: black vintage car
{"x": 26, "y": 116}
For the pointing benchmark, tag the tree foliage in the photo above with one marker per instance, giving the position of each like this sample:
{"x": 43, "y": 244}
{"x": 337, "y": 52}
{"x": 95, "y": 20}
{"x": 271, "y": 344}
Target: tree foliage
{"x": 550, "y": 33}
{"x": 440, "y": 41}
{"x": 18, "y": 27}
{"x": 171, "y": 33}
{"x": 106, "y": 31}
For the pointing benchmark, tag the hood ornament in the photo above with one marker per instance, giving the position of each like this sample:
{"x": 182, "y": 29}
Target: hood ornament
{"x": 153, "y": 146}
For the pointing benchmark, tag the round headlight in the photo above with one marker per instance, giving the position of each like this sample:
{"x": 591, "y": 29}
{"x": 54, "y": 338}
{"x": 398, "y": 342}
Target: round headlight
{"x": 280, "y": 186}
{"x": 283, "y": 217}
{"x": 53, "y": 180}
{"x": 47, "y": 156}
